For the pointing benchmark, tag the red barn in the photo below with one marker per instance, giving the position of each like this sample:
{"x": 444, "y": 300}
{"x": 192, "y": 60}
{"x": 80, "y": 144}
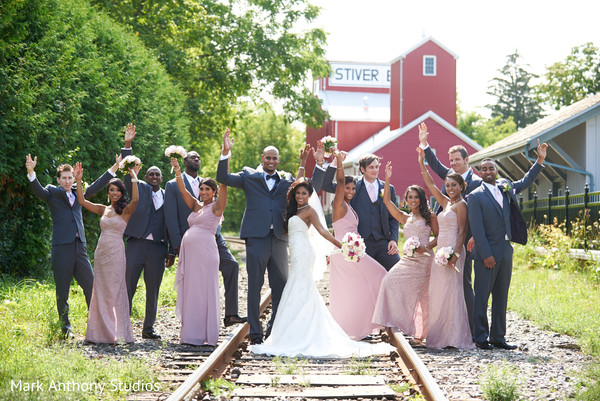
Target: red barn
{"x": 420, "y": 85}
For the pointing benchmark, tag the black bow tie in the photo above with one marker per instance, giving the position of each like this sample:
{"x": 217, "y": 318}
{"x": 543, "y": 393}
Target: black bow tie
{"x": 273, "y": 176}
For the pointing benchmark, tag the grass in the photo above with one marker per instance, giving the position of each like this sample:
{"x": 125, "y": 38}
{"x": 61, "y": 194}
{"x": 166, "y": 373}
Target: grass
{"x": 501, "y": 382}
{"x": 35, "y": 364}
{"x": 359, "y": 366}
{"x": 289, "y": 366}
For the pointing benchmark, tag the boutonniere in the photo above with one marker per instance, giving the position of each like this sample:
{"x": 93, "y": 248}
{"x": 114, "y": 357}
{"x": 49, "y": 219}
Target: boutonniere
{"x": 284, "y": 174}
{"x": 506, "y": 187}
{"x": 381, "y": 194}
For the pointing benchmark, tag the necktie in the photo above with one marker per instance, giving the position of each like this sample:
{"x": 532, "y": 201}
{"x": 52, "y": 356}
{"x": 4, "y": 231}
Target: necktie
{"x": 155, "y": 200}
{"x": 498, "y": 196}
{"x": 196, "y": 187}
{"x": 71, "y": 198}
{"x": 372, "y": 192}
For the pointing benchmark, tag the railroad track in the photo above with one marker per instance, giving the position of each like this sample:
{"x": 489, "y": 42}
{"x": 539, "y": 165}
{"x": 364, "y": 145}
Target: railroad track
{"x": 396, "y": 376}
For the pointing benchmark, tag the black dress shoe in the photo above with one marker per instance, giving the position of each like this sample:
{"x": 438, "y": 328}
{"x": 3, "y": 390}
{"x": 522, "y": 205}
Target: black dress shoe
{"x": 234, "y": 319}
{"x": 504, "y": 345}
{"x": 151, "y": 335}
{"x": 484, "y": 345}
{"x": 256, "y": 340}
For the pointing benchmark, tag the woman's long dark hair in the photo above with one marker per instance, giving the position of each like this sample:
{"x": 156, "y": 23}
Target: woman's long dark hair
{"x": 122, "y": 203}
{"x": 423, "y": 204}
{"x": 291, "y": 208}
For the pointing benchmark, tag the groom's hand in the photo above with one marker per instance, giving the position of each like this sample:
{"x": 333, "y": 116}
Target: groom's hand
{"x": 392, "y": 248}
{"x": 470, "y": 244}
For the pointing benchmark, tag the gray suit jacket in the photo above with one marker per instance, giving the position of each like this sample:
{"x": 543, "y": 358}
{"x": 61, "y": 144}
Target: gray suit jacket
{"x": 66, "y": 219}
{"x": 388, "y": 223}
{"x": 489, "y": 223}
{"x": 263, "y": 207}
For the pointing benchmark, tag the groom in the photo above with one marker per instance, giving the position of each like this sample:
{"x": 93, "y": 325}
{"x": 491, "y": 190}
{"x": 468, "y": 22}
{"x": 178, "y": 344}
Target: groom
{"x": 490, "y": 221}
{"x": 265, "y": 190}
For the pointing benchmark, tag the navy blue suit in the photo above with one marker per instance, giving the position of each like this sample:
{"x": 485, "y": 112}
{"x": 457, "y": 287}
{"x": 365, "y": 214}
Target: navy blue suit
{"x": 491, "y": 229}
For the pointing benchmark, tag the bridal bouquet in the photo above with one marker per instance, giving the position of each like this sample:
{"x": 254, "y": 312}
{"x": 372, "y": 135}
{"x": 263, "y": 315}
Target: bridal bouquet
{"x": 129, "y": 162}
{"x": 353, "y": 247}
{"x": 411, "y": 245}
{"x": 329, "y": 143}
{"x": 175, "y": 151}
{"x": 443, "y": 255}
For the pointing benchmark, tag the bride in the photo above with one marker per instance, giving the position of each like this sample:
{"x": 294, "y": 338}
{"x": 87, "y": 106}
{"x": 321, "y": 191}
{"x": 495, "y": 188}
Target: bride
{"x": 303, "y": 325}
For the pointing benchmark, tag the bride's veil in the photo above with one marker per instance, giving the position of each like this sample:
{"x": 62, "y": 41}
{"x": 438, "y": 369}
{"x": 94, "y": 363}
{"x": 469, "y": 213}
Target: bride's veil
{"x": 320, "y": 245}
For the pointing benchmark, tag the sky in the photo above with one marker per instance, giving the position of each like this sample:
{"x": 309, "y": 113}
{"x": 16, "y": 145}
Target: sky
{"x": 481, "y": 33}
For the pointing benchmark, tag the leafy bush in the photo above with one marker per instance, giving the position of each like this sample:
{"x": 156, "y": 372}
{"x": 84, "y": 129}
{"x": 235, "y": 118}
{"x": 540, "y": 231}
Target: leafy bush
{"x": 70, "y": 78}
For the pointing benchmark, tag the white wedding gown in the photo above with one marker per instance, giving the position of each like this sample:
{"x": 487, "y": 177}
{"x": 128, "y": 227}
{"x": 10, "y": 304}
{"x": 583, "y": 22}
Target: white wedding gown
{"x": 303, "y": 325}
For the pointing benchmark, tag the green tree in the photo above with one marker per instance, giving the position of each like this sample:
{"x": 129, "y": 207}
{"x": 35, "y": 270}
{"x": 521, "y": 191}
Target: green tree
{"x": 484, "y": 131}
{"x": 70, "y": 78}
{"x": 571, "y": 80}
{"x": 220, "y": 51}
{"x": 257, "y": 129}
{"x": 515, "y": 93}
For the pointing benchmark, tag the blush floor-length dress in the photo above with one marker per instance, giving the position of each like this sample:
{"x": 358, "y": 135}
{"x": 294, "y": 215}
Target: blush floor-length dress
{"x": 403, "y": 300}
{"x": 303, "y": 325}
{"x": 197, "y": 281}
{"x": 448, "y": 319}
{"x": 353, "y": 286}
{"x": 108, "y": 321}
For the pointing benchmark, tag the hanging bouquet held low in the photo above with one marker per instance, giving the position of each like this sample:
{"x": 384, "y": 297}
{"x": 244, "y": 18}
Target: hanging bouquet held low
{"x": 353, "y": 247}
{"x": 411, "y": 245}
{"x": 175, "y": 151}
{"x": 443, "y": 255}
{"x": 128, "y": 163}
{"x": 329, "y": 143}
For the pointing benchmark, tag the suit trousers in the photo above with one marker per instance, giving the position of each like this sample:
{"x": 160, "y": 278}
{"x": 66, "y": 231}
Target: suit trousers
{"x": 149, "y": 256}
{"x": 230, "y": 270}
{"x": 68, "y": 261}
{"x": 496, "y": 282}
{"x": 378, "y": 250}
{"x": 262, "y": 253}
{"x": 468, "y": 289}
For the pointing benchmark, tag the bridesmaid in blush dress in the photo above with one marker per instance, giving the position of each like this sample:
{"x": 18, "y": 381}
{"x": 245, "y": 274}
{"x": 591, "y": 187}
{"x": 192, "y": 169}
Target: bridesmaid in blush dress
{"x": 353, "y": 285}
{"x": 448, "y": 319}
{"x": 108, "y": 320}
{"x": 197, "y": 281}
{"x": 403, "y": 300}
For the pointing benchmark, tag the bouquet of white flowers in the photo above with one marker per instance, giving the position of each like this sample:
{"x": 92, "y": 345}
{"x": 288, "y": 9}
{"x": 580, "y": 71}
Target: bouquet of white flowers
{"x": 129, "y": 162}
{"x": 443, "y": 255}
{"x": 353, "y": 247}
{"x": 175, "y": 151}
{"x": 329, "y": 143}
{"x": 411, "y": 245}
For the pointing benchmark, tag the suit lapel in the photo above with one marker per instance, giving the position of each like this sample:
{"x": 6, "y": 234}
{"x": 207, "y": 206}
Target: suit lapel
{"x": 188, "y": 186}
{"x": 492, "y": 198}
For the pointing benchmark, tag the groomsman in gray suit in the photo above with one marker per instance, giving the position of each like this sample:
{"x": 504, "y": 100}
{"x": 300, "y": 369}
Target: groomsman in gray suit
{"x": 69, "y": 257}
{"x": 262, "y": 226}
{"x": 378, "y": 228}
{"x": 177, "y": 212}
{"x": 459, "y": 163}
{"x": 490, "y": 222}
{"x": 146, "y": 239}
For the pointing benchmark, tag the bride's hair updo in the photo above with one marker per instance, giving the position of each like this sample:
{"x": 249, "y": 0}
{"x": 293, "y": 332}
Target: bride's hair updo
{"x": 292, "y": 206}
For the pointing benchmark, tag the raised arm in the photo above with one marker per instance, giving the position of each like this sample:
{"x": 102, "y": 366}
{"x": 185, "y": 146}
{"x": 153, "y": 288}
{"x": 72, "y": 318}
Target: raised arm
{"x": 223, "y": 174}
{"x": 463, "y": 220}
{"x": 187, "y": 197}
{"x": 339, "y": 206}
{"x": 35, "y": 185}
{"x": 92, "y": 207}
{"x": 303, "y": 156}
{"x": 221, "y": 203}
{"x": 534, "y": 171}
{"x": 314, "y": 219}
{"x": 435, "y": 164}
{"x": 101, "y": 182}
{"x": 387, "y": 198}
{"x": 135, "y": 196}
{"x": 439, "y": 197}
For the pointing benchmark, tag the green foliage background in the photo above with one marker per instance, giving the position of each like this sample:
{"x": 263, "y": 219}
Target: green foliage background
{"x": 70, "y": 78}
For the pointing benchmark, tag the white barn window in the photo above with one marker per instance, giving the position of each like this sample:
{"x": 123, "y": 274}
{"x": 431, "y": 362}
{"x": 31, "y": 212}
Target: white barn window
{"x": 429, "y": 66}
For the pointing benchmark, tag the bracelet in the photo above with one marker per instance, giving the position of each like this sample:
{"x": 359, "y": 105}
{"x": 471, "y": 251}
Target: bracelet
{"x": 426, "y": 247}
{"x": 300, "y": 168}
{"x": 177, "y": 176}
{"x": 134, "y": 180}
{"x": 457, "y": 255}
{"x": 424, "y": 172}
